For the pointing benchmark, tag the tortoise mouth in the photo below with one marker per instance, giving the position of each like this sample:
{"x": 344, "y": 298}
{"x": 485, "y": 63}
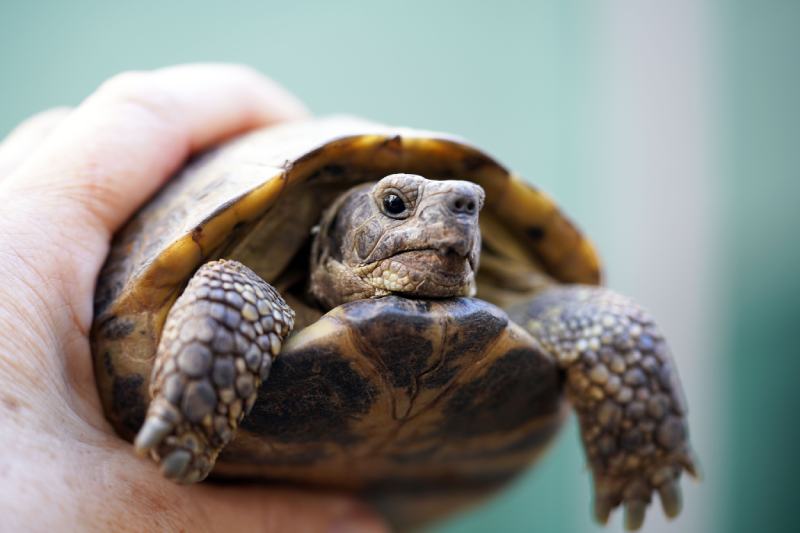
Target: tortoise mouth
{"x": 440, "y": 263}
{"x": 424, "y": 272}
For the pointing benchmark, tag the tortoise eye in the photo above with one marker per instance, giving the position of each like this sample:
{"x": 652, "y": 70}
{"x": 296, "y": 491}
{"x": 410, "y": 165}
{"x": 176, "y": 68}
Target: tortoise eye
{"x": 393, "y": 204}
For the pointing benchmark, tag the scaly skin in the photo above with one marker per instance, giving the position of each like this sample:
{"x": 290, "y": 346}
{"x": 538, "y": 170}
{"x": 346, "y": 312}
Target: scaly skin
{"x": 216, "y": 349}
{"x": 622, "y": 382}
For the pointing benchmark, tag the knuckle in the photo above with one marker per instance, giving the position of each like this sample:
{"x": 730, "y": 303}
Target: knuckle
{"x": 54, "y": 112}
{"x": 248, "y": 79}
{"x": 39, "y": 123}
{"x": 243, "y": 71}
{"x": 140, "y": 90}
{"x": 124, "y": 83}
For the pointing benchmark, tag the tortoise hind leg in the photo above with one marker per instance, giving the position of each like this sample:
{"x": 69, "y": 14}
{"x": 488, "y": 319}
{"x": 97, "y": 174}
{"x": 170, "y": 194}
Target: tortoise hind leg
{"x": 215, "y": 350}
{"x": 621, "y": 380}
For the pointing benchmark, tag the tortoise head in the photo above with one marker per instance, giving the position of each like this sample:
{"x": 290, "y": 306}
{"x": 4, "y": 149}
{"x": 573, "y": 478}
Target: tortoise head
{"x": 404, "y": 234}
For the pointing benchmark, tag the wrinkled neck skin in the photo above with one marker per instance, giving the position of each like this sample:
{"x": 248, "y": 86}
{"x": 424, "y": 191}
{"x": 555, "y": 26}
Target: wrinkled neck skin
{"x": 430, "y": 250}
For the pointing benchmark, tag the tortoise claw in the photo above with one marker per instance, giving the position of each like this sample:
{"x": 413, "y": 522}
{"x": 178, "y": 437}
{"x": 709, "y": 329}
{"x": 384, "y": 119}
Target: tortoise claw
{"x": 671, "y": 501}
{"x": 184, "y": 454}
{"x": 634, "y": 491}
{"x": 602, "y": 509}
{"x": 689, "y": 463}
{"x": 151, "y": 434}
{"x": 635, "y": 511}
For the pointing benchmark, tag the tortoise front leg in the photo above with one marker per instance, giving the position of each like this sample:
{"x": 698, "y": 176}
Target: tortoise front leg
{"x": 622, "y": 382}
{"x": 215, "y": 350}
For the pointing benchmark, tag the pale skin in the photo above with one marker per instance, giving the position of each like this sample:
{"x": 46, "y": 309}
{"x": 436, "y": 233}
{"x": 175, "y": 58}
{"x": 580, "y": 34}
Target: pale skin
{"x": 69, "y": 179}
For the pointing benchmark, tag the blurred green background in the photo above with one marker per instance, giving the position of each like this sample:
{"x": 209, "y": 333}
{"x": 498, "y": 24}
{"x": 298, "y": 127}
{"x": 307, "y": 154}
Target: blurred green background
{"x": 669, "y": 130}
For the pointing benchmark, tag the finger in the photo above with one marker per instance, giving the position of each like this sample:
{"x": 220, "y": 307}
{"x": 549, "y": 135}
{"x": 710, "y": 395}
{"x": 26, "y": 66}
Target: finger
{"x": 28, "y": 136}
{"x": 278, "y": 510}
{"x": 121, "y": 144}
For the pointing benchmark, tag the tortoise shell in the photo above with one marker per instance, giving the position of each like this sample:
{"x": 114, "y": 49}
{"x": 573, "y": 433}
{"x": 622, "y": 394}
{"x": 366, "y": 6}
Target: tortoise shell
{"x": 397, "y": 398}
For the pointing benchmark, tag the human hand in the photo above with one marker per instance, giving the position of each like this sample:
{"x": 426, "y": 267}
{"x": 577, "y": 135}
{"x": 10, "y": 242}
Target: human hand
{"x": 68, "y": 180}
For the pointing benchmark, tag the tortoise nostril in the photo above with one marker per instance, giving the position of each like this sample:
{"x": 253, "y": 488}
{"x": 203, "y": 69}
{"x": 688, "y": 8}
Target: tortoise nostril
{"x": 463, "y": 203}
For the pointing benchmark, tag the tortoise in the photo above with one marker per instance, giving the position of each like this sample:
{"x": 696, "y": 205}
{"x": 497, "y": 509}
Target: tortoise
{"x": 344, "y": 305}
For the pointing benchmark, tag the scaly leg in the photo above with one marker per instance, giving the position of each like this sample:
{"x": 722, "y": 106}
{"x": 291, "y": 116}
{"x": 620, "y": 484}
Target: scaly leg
{"x": 622, "y": 382}
{"x": 217, "y": 347}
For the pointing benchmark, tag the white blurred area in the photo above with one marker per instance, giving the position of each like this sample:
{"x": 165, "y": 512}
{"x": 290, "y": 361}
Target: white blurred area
{"x": 654, "y": 169}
